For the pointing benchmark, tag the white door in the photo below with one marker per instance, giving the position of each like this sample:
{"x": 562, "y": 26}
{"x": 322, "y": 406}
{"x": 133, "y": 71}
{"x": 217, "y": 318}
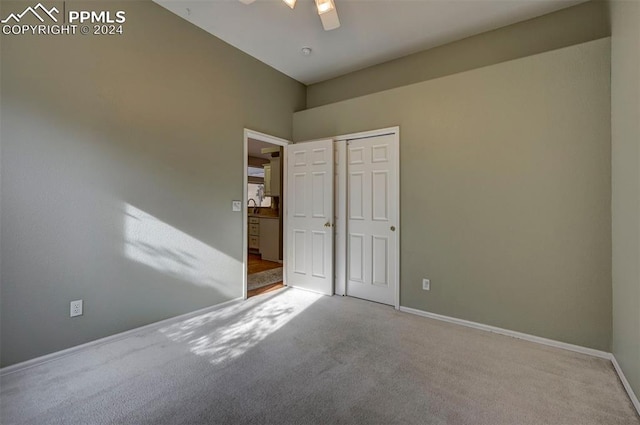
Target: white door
{"x": 310, "y": 216}
{"x": 372, "y": 218}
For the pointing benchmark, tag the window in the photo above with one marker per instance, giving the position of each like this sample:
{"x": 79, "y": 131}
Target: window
{"x": 255, "y": 172}
{"x": 256, "y": 192}
{"x": 256, "y": 187}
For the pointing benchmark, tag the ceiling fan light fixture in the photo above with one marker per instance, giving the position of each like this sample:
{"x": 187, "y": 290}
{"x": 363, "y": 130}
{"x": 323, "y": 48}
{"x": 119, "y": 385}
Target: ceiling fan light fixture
{"x": 325, "y": 6}
{"x": 290, "y": 3}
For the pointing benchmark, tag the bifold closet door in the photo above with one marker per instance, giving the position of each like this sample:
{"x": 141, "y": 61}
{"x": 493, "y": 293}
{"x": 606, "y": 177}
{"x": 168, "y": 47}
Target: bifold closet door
{"x": 310, "y": 216}
{"x": 372, "y": 218}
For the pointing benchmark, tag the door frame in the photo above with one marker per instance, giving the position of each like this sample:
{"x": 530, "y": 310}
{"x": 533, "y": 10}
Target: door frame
{"x": 252, "y": 134}
{"x": 341, "y": 206}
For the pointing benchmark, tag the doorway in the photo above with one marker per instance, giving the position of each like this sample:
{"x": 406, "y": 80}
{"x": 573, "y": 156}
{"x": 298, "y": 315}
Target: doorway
{"x": 263, "y": 219}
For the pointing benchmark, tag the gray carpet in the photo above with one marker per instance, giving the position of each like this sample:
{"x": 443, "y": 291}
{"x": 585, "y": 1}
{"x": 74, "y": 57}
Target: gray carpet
{"x": 292, "y": 357}
{"x": 264, "y": 278}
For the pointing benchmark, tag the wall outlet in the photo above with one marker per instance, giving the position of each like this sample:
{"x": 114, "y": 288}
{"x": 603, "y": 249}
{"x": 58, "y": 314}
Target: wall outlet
{"x": 236, "y": 206}
{"x": 76, "y": 308}
{"x": 426, "y": 284}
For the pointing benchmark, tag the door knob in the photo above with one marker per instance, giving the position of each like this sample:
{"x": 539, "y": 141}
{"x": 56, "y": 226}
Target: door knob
{"x": 327, "y": 224}
{"x": 393, "y": 228}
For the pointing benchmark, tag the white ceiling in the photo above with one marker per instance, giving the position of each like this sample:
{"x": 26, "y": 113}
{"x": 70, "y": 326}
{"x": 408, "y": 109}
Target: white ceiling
{"x": 372, "y": 31}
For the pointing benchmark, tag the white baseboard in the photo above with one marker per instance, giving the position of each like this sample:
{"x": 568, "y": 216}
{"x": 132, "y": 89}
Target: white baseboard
{"x": 514, "y": 334}
{"x": 625, "y": 383}
{"x": 538, "y": 340}
{"x": 111, "y": 338}
{"x": 527, "y": 337}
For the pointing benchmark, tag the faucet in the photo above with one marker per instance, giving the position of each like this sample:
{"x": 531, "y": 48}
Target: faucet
{"x": 255, "y": 204}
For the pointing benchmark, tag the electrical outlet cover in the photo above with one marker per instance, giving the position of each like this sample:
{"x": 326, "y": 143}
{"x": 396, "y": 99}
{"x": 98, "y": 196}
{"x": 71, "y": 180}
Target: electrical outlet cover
{"x": 236, "y": 206}
{"x": 76, "y": 308}
{"x": 426, "y": 284}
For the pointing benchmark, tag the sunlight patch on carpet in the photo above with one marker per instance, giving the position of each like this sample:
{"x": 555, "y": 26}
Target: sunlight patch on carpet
{"x": 225, "y": 334}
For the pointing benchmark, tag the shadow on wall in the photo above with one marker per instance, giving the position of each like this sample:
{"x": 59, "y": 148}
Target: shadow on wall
{"x": 228, "y": 333}
{"x": 156, "y": 244}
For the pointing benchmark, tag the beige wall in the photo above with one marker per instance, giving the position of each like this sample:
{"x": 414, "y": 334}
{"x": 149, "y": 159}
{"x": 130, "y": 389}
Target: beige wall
{"x": 584, "y": 22}
{"x": 505, "y": 190}
{"x": 99, "y": 135}
{"x": 625, "y": 123}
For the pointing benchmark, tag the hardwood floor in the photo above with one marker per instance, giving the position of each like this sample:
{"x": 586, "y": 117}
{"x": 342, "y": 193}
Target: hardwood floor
{"x": 255, "y": 265}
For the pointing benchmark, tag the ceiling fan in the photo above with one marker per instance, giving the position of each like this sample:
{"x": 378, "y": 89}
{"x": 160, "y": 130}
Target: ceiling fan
{"x": 326, "y": 10}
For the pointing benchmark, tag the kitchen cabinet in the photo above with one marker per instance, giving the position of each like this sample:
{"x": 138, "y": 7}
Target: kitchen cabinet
{"x": 254, "y": 233}
{"x": 272, "y": 177}
{"x": 270, "y": 238}
{"x": 267, "y": 179}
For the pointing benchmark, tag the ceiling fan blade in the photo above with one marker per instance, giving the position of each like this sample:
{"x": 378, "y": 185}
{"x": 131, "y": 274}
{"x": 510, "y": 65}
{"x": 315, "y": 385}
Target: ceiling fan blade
{"x": 330, "y": 20}
{"x": 328, "y": 14}
{"x": 326, "y": 10}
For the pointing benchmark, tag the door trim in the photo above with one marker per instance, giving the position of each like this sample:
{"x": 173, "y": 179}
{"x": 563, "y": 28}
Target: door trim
{"x": 342, "y": 204}
{"x": 340, "y": 208}
{"x": 252, "y": 134}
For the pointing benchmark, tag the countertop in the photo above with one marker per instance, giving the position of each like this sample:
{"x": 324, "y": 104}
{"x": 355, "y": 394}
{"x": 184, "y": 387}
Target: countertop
{"x": 263, "y": 216}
